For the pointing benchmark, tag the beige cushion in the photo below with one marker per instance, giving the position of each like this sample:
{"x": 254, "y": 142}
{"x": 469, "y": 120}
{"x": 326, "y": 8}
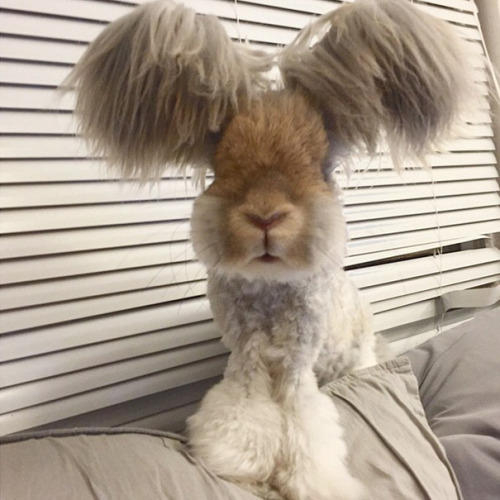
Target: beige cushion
{"x": 391, "y": 446}
{"x": 392, "y": 450}
{"x": 459, "y": 377}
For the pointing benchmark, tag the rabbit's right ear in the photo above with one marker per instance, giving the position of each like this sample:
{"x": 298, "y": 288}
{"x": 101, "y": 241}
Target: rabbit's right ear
{"x": 156, "y": 85}
{"x": 382, "y": 70}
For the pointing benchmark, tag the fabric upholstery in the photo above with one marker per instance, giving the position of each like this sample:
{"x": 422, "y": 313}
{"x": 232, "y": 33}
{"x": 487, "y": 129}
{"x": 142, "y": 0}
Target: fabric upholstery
{"x": 459, "y": 380}
{"x": 392, "y": 450}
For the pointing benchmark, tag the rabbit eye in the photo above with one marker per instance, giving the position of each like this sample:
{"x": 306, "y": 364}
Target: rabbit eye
{"x": 328, "y": 172}
{"x": 327, "y": 175}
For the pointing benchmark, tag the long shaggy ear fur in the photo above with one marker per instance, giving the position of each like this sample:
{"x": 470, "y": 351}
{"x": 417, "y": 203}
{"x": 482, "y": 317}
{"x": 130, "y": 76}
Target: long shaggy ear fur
{"x": 382, "y": 70}
{"x": 158, "y": 83}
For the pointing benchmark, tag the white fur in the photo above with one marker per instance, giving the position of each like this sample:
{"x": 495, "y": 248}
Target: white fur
{"x": 237, "y": 434}
{"x": 267, "y": 426}
{"x": 267, "y": 423}
{"x": 294, "y": 447}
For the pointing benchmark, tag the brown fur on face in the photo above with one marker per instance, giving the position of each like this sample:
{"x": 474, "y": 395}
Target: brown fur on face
{"x": 281, "y": 137}
{"x": 269, "y": 195}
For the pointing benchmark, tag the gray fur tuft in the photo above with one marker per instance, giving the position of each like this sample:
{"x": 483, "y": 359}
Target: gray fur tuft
{"x": 383, "y": 70}
{"x": 157, "y": 84}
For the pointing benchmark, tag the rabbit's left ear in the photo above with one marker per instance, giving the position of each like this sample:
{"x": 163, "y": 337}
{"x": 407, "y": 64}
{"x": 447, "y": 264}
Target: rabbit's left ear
{"x": 158, "y": 83}
{"x": 382, "y": 69}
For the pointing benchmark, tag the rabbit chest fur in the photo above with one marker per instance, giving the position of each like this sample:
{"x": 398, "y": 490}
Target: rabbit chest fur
{"x": 319, "y": 321}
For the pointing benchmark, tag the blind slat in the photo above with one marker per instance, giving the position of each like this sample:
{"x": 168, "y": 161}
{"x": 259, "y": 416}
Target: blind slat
{"x": 397, "y": 317}
{"x": 78, "y": 240}
{"x": 433, "y": 293}
{"x": 409, "y": 177}
{"x": 100, "y": 215}
{"x": 82, "y": 403}
{"x": 435, "y": 282}
{"x": 103, "y": 329}
{"x": 363, "y": 196}
{"x": 41, "y": 391}
{"x": 127, "y": 412}
{"x": 57, "y": 363}
{"x": 40, "y": 195}
{"x": 44, "y": 268}
{"x": 404, "y": 252}
{"x": 47, "y": 51}
{"x": 421, "y": 206}
{"x": 32, "y": 73}
{"x": 367, "y": 229}
{"x": 387, "y": 273}
{"x": 50, "y": 219}
{"x": 411, "y": 239}
{"x": 52, "y": 314}
{"x": 64, "y": 289}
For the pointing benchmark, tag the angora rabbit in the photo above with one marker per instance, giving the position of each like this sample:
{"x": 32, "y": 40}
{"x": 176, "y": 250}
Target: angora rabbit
{"x": 164, "y": 86}
{"x": 271, "y": 233}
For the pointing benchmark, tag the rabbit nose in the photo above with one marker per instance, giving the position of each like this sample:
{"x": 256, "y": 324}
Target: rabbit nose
{"x": 266, "y": 223}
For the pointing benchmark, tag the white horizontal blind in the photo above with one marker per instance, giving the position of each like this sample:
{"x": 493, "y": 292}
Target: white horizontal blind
{"x": 103, "y": 316}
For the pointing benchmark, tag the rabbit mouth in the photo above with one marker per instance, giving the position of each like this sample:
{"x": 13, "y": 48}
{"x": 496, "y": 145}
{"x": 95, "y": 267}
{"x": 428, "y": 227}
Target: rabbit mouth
{"x": 267, "y": 258}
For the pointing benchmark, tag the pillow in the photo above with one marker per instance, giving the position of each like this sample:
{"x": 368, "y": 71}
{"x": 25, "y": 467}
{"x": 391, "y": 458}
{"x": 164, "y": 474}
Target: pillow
{"x": 392, "y": 450}
{"x": 391, "y": 446}
{"x": 123, "y": 464}
{"x": 459, "y": 378}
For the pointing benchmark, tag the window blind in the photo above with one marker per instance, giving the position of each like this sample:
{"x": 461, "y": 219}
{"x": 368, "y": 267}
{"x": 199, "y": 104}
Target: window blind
{"x": 103, "y": 315}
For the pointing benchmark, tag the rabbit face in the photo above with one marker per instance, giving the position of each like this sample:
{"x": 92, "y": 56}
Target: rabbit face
{"x": 271, "y": 212}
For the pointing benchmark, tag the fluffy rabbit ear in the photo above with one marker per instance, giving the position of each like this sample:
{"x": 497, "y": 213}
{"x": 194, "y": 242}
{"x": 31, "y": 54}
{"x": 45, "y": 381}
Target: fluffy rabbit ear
{"x": 382, "y": 69}
{"x": 157, "y": 84}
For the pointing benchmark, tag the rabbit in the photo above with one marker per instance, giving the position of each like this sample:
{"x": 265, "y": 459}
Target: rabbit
{"x": 166, "y": 87}
{"x": 270, "y": 231}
